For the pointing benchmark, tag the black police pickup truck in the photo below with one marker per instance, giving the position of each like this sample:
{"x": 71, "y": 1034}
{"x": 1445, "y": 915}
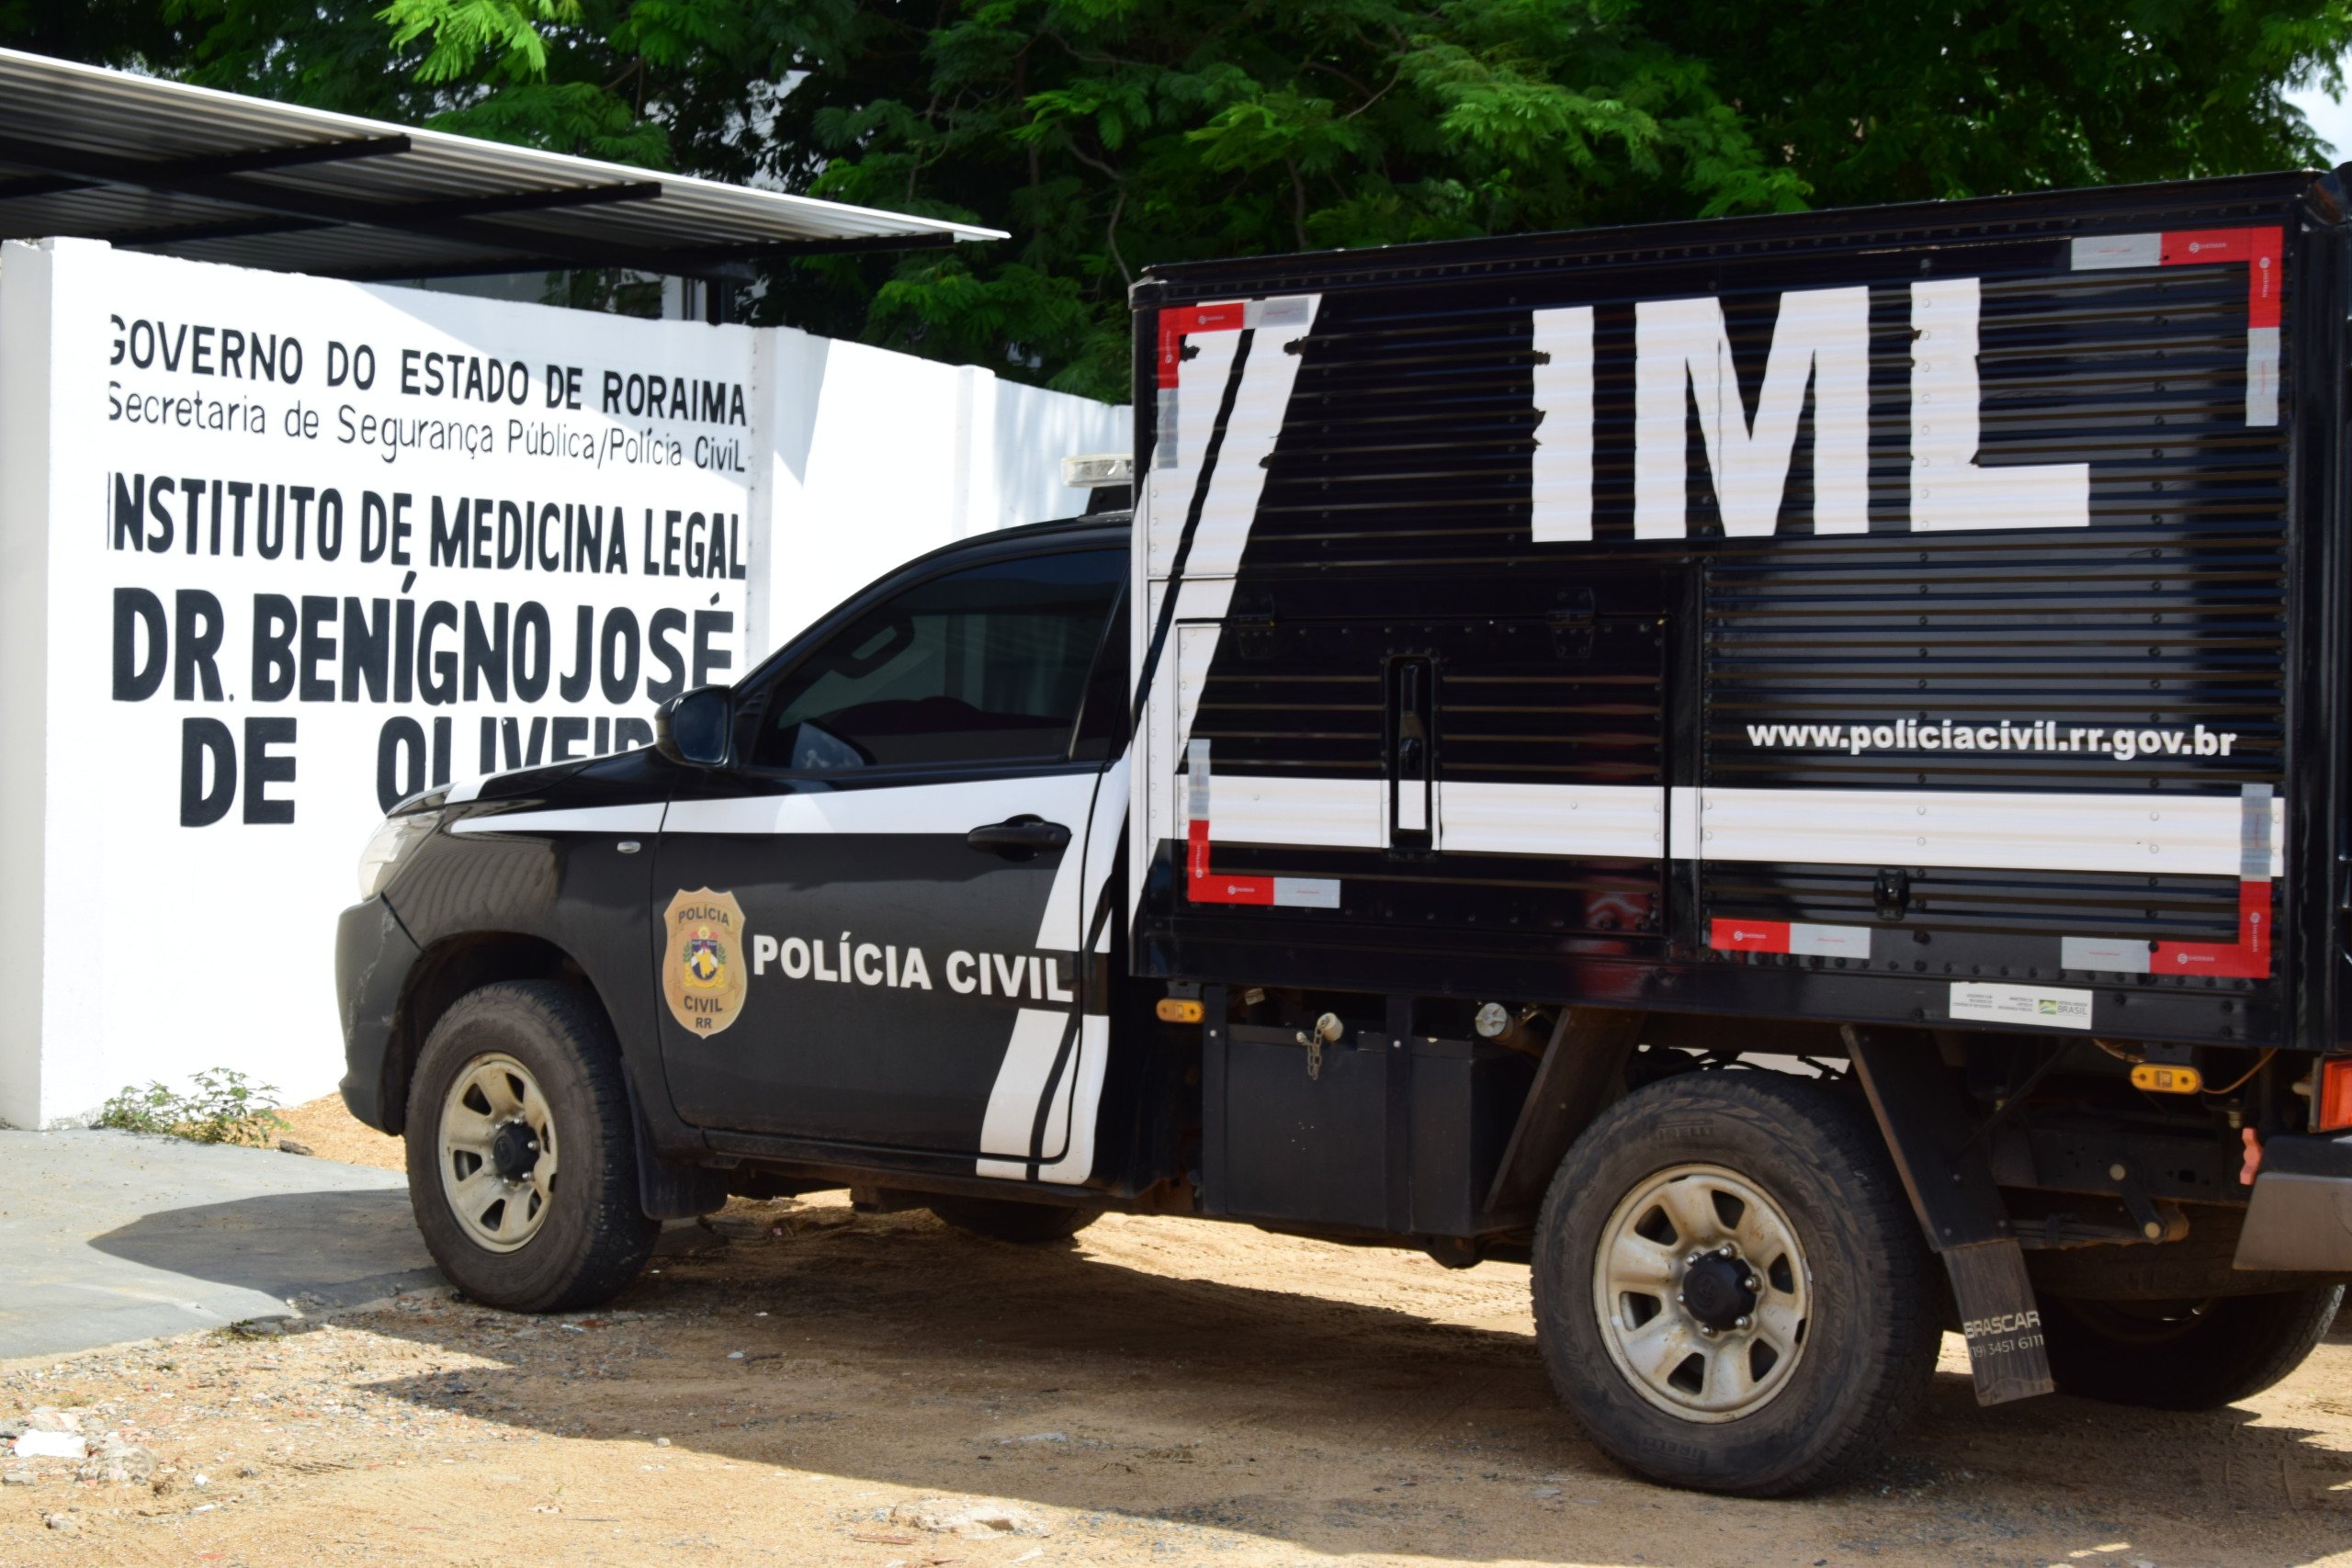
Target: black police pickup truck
{"x": 1790, "y": 771}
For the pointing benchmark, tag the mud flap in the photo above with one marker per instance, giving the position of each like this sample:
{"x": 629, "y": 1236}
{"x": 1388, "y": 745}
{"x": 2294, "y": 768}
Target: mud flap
{"x": 2000, "y": 1320}
{"x": 1922, "y": 1111}
{"x": 668, "y": 1189}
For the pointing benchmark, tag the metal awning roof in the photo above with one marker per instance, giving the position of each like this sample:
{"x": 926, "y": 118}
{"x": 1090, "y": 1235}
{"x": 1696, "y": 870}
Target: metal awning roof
{"x": 162, "y": 167}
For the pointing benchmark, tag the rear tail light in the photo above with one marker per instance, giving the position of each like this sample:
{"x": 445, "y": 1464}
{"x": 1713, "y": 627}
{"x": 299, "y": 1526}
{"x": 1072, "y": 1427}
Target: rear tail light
{"x": 2335, "y": 1094}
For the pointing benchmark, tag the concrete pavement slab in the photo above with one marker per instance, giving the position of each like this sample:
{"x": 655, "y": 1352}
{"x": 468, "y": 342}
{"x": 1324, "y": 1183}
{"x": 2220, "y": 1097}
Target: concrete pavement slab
{"x": 107, "y": 1238}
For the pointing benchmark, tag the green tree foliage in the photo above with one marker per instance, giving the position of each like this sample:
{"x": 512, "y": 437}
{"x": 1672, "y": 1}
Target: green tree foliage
{"x": 1878, "y": 102}
{"x": 1108, "y": 135}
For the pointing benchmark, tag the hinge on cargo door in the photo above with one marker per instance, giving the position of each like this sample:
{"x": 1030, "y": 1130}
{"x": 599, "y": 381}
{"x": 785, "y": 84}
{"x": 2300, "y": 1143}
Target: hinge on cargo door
{"x": 1891, "y": 893}
{"x": 1571, "y": 623}
{"x": 1251, "y": 623}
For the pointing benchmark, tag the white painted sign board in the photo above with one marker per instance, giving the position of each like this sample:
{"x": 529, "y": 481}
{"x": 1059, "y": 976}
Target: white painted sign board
{"x": 276, "y": 551}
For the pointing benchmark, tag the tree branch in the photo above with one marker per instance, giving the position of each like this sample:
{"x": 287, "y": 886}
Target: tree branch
{"x": 1111, "y": 238}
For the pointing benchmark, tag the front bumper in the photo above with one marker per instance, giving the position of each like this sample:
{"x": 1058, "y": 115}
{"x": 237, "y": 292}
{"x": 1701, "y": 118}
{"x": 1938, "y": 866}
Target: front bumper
{"x": 2301, "y": 1216}
{"x": 373, "y": 955}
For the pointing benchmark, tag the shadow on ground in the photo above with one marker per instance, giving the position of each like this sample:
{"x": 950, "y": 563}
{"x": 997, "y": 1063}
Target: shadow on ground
{"x": 1120, "y": 1377}
{"x": 315, "y": 1250}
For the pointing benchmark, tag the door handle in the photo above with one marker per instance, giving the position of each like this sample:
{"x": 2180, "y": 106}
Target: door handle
{"x": 1412, "y": 710}
{"x": 1018, "y": 837}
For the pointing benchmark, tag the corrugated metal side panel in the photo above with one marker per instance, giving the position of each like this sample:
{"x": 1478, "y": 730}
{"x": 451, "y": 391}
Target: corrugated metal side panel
{"x": 1397, "y": 487}
{"x": 2167, "y": 613}
{"x": 1306, "y": 701}
{"x": 1401, "y": 499}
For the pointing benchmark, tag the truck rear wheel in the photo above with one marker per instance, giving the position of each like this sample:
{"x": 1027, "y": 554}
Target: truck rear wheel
{"x": 1027, "y": 1225}
{"x": 1731, "y": 1291}
{"x": 522, "y": 1157}
{"x": 2184, "y": 1354}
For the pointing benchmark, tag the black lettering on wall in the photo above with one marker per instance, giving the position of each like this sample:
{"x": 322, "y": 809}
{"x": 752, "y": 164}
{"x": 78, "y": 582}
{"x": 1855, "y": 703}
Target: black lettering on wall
{"x": 264, "y": 768}
{"x": 399, "y": 761}
{"x": 205, "y": 747}
{"x": 318, "y": 647}
{"x": 367, "y": 646}
{"x": 485, "y": 653}
{"x": 616, "y": 655}
{"x": 437, "y": 669}
{"x": 450, "y": 533}
{"x": 660, "y": 633}
{"x": 129, "y": 511}
{"x": 574, "y": 684}
{"x": 135, "y": 678}
{"x": 273, "y": 626}
{"x": 534, "y": 651}
{"x": 710, "y": 661}
{"x": 198, "y": 626}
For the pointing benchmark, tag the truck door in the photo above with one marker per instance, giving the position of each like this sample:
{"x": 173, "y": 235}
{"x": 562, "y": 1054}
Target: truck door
{"x": 870, "y": 924}
{"x": 1491, "y": 784}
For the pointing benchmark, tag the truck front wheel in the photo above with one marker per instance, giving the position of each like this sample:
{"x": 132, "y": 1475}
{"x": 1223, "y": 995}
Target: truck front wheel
{"x": 1731, "y": 1291}
{"x": 2184, "y": 1354}
{"x": 522, "y": 1157}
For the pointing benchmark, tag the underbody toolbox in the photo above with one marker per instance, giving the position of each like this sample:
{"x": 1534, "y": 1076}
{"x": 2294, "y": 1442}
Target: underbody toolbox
{"x": 1377, "y": 1133}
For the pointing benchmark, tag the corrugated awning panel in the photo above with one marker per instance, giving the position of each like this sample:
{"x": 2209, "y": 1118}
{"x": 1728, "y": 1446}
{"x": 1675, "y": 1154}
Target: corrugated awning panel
{"x": 185, "y": 171}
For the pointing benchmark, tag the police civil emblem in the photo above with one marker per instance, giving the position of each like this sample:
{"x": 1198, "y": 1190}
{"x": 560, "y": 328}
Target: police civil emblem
{"x": 702, "y": 960}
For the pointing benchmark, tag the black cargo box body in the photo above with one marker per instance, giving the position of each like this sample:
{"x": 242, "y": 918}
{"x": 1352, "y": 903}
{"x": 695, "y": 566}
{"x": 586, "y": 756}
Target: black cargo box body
{"x": 1391, "y": 740}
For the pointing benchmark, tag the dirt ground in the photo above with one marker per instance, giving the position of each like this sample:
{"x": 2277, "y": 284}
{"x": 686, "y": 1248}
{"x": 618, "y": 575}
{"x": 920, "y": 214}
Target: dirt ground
{"x": 797, "y": 1383}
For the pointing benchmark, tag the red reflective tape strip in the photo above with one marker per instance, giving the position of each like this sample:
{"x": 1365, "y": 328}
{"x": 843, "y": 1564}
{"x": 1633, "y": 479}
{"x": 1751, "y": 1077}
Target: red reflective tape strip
{"x": 2203, "y": 247}
{"x": 2254, "y": 922}
{"x": 1748, "y": 936}
{"x": 1203, "y": 887}
{"x": 1225, "y": 316}
{"x": 1171, "y": 345}
{"x": 2248, "y": 958}
{"x": 2262, "y": 278}
{"x": 2227, "y": 961}
{"x": 2260, "y": 250}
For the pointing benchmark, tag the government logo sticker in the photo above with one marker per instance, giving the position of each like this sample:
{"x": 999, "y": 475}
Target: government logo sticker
{"x": 703, "y": 977}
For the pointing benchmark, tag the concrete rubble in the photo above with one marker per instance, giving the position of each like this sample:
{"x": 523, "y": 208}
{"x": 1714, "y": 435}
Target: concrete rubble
{"x": 80, "y": 1438}
{"x": 988, "y": 1518}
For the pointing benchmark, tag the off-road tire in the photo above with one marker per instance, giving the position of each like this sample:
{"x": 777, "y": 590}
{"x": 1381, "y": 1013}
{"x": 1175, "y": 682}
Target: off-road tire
{"x": 595, "y": 1237}
{"x": 1024, "y": 1225}
{"x": 1871, "y": 1336}
{"x": 2184, "y": 1356}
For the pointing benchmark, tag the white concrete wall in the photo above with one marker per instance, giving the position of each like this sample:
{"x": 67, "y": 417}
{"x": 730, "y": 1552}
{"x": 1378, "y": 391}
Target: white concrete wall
{"x": 26, "y": 343}
{"x": 134, "y": 948}
{"x": 1030, "y": 419}
{"x": 879, "y": 458}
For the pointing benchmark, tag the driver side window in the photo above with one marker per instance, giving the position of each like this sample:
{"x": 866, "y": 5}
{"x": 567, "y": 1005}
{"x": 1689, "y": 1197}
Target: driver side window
{"x": 985, "y": 665}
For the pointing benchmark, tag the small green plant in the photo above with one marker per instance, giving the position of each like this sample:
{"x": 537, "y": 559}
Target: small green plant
{"x": 222, "y": 1107}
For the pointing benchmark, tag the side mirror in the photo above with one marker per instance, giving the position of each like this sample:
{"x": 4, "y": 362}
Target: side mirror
{"x": 695, "y": 726}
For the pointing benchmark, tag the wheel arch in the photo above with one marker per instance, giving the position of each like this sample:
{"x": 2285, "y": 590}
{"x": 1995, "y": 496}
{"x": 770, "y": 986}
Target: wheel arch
{"x": 448, "y": 969}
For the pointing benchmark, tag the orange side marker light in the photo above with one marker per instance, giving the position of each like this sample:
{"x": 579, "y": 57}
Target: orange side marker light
{"x": 2335, "y": 1094}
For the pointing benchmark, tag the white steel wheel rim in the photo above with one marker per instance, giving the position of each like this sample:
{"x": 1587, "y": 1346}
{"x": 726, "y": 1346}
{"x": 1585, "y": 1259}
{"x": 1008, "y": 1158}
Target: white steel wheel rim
{"x": 496, "y": 1098}
{"x": 1669, "y": 1225}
